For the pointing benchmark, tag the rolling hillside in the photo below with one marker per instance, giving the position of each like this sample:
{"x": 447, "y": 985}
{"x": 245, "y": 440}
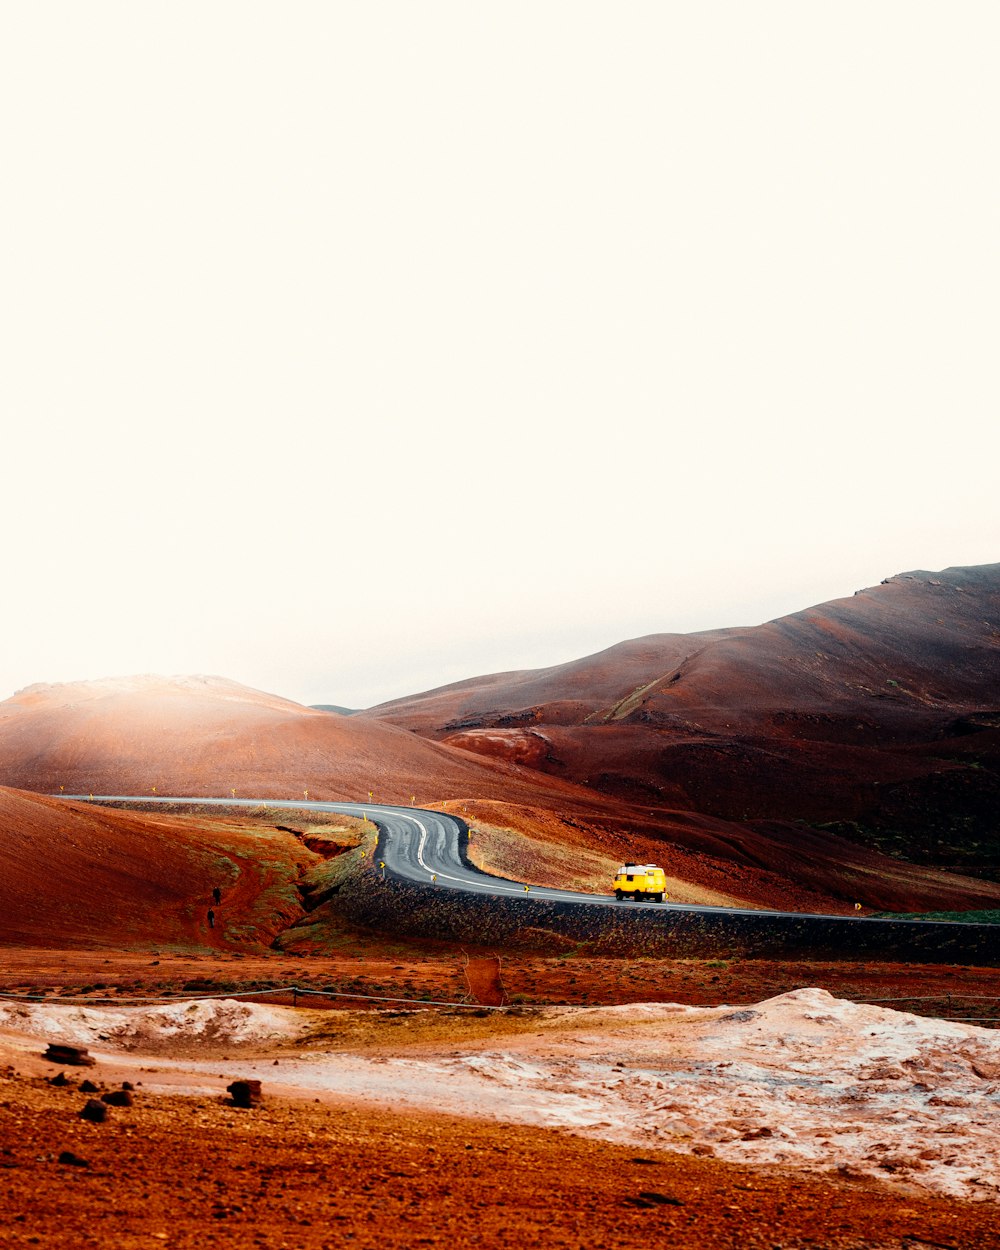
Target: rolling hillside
{"x": 877, "y": 714}
{"x": 209, "y": 736}
{"x": 849, "y": 752}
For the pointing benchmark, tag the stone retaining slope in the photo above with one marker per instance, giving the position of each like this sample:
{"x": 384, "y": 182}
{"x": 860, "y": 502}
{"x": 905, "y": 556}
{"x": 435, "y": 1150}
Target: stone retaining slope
{"x": 431, "y": 911}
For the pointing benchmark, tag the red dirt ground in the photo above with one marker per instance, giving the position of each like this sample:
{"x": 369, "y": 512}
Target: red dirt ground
{"x": 376, "y": 970}
{"x": 191, "y": 1171}
{"x": 184, "y": 1172}
{"x": 774, "y": 864}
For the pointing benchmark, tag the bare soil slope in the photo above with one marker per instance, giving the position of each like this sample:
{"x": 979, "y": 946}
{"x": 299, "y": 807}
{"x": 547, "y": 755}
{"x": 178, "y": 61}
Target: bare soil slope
{"x": 72, "y": 875}
{"x": 776, "y": 864}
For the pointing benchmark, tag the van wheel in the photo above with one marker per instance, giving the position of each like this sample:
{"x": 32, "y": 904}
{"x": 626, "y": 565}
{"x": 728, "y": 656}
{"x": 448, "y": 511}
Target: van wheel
{"x": 619, "y": 895}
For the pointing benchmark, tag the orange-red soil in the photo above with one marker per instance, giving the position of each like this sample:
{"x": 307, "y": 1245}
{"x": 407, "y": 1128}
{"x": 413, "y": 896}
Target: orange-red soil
{"x": 208, "y": 736}
{"x": 485, "y": 981}
{"x": 187, "y": 1172}
{"x": 375, "y": 969}
{"x": 75, "y": 875}
{"x": 785, "y": 867}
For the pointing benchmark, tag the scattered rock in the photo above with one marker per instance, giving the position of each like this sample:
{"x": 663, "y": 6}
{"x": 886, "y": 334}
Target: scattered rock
{"x": 754, "y": 1133}
{"x": 73, "y": 1160}
{"x": 88, "y": 1087}
{"x": 128, "y": 1085}
{"x": 75, "y": 1056}
{"x": 245, "y": 1093}
{"x": 881, "y": 1072}
{"x": 118, "y": 1098}
{"x": 655, "y": 1199}
{"x": 60, "y": 1079}
{"x": 95, "y": 1111}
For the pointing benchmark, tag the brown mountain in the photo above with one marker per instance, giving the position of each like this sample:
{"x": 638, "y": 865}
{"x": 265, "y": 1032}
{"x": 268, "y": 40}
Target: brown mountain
{"x": 771, "y": 764}
{"x": 879, "y": 713}
{"x": 209, "y": 736}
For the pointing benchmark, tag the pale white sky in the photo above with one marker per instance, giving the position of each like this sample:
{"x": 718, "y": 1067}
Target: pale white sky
{"x": 349, "y": 349}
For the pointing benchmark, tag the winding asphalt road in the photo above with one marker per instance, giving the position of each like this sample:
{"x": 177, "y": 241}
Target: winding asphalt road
{"x": 426, "y": 847}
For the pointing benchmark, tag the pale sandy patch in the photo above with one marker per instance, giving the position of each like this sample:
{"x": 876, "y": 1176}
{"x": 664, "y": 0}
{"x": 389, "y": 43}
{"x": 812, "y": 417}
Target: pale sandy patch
{"x": 801, "y": 1080}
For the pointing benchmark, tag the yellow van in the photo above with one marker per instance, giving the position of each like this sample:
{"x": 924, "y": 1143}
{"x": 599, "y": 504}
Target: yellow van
{"x": 640, "y": 881}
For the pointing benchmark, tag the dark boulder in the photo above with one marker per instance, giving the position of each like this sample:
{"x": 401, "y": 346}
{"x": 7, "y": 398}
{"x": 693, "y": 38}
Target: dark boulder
{"x": 75, "y": 1056}
{"x": 245, "y": 1093}
{"x": 118, "y": 1098}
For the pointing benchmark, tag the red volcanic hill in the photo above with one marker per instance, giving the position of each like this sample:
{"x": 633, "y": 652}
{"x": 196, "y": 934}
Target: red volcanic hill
{"x": 752, "y": 761}
{"x": 208, "y": 736}
{"x": 911, "y": 652}
{"x": 72, "y": 875}
{"x": 879, "y": 713}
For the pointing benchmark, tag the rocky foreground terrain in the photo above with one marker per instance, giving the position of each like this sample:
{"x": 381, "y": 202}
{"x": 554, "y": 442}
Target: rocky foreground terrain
{"x": 802, "y": 1120}
{"x": 804, "y": 1080}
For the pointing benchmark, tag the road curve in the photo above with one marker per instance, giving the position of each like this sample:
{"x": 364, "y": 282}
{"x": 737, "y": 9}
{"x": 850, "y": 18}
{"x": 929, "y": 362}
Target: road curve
{"x": 426, "y": 847}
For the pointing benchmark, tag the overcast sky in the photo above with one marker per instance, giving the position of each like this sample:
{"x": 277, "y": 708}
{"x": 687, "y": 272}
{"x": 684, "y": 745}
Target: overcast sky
{"x": 350, "y": 349}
